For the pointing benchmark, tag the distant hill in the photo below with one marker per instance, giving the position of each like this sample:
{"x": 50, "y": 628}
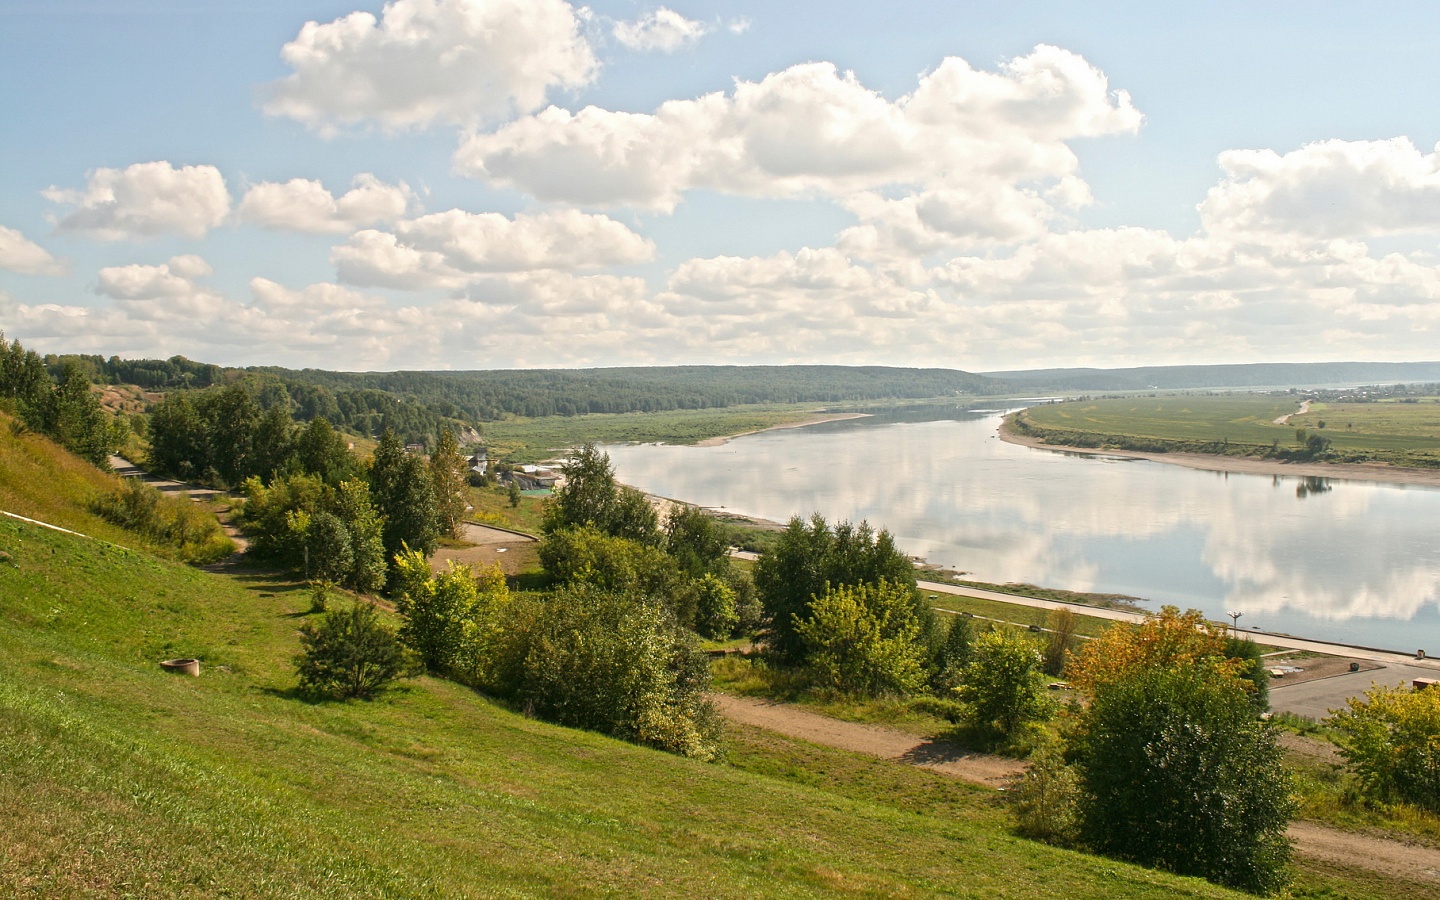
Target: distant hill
{"x": 1221, "y": 376}
{"x": 533, "y": 393}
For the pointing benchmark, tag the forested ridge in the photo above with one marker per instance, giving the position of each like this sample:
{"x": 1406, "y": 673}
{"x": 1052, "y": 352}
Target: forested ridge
{"x": 533, "y": 393}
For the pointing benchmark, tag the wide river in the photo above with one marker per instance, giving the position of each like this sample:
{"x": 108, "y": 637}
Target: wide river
{"x": 1349, "y": 561}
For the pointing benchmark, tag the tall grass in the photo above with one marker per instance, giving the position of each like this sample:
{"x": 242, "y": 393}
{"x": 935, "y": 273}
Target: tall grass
{"x": 188, "y": 532}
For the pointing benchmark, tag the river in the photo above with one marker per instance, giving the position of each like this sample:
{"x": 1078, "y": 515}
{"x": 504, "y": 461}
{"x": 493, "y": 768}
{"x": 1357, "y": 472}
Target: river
{"x": 1348, "y": 561}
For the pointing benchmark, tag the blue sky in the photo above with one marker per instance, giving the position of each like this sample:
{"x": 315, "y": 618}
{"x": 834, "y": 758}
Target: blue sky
{"x": 487, "y": 184}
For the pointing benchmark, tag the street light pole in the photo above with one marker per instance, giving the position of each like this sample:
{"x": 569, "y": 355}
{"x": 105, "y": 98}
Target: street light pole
{"x": 1235, "y": 622}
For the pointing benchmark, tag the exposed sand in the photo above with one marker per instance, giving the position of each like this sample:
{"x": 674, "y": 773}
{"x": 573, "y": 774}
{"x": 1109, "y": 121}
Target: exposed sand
{"x": 1249, "y": 465}
{"x": 813, "y": 420}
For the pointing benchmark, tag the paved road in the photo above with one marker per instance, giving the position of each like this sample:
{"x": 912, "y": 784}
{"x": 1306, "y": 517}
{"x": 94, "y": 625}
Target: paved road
{"x": 1315, "y": 699}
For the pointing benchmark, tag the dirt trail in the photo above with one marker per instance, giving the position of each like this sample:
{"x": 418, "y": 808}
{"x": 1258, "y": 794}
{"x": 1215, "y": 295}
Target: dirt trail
{"x": 1285, "y": 419}
{"x": 126, "y": 469}
{"x": 872, "y": 740}
{"x": 1411, "y": 862}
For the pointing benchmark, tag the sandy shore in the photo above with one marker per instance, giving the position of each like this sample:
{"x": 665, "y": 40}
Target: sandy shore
{"x": 813, "y": 420}
{"x": 1249, "y": 465}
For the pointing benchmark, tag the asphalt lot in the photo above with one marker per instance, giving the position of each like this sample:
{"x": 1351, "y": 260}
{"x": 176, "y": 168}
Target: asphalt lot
{"x": 1315, "y": 699}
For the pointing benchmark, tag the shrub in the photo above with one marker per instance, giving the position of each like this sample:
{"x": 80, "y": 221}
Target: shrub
{"x": 715, "y": 614}
{"x": 1002, "y": 683}
{"x": 613, "y": 663}
{"x": 176, "y": 524}
{"x": 450, "y": 617}
{"x": 1178, "y": 771}
{"x": 862, "y": 640}
{"x": 1391, "y": 739}
{"x": 954, "y": 652}
{"x": 1045, "y": 800}
{"x": 350, "y": 654}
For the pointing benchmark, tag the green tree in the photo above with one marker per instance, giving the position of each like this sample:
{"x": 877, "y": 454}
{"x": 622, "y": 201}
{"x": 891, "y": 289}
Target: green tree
{"x": 948, "y": 667}
{"x": 328, "y": 547}
{"x": 1059, "y": 639}
{"x": 272, "y": 445}
{"x": 1002, "y": 683}
{"x": 71, "y": 415}
{"x": 862, "y": 640}
{"x": 1177, "y": 771}
{"x": 179, "y": 445}
{"x": 1391, "y": 739}
{"x": 590, "y": 498}
{"x": 322, "y": 451}
{"x": 350, "y": 654}
{"x": 448, "y": 470}
{"x": 715, "y": 612}
{"x": 231, "y": 420}
{"x": 694, "y": 540}
{"x": 367, "y": 547}
{"x": 513, "y": 493}
{"x": 403, "y": 492}
{"x": 810, "y": 557}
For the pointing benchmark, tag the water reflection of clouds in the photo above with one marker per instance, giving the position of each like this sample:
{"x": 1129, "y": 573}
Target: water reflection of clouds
{"x": 953, "y": 493}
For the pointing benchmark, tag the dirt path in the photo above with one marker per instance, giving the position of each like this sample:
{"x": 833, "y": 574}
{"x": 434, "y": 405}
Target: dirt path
{"x": 1285, "y": 419}
{"x": 1395, "y": 859}
{"x": 126, "y": 469}
{"x": 872, "y": 740}
{"x": 1411, "y": 862}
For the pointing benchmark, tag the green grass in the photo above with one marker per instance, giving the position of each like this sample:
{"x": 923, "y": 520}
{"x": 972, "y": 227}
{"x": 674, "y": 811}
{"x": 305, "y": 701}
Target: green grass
{"x": 116, "y": 778}
{"x": 534, "y": 440}
{"x": 1399, "y": 433}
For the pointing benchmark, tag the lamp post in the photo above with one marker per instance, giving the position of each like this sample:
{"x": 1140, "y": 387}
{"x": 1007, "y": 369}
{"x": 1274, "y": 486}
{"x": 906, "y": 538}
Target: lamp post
{"x": 1235, "y": 622}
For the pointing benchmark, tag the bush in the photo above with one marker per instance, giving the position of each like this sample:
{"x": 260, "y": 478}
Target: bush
{"x": 863, "y": 640}
{"x": 1059, "y": 639}
{"x": 612, "y": 663}
{"x": 715, "y": 614}
{"x": 350, "y": 654}
{"x": 176, "y": 524}
{"x": 450, "y": 617}
{"x": 1178, "y": 771}
{"x": 1002, "y": 683}
{"x": 1391, "y": 739}
{"x": 1045, "y": 800}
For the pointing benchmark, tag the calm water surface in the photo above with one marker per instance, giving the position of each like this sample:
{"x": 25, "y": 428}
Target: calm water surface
{"x": 1348, "y": 561}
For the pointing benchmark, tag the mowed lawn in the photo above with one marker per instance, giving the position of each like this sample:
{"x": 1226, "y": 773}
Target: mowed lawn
{"x": 1250, "y": 420}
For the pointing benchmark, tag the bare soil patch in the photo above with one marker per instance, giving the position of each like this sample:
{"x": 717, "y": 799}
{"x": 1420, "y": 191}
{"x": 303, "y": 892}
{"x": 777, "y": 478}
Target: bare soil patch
{"x": 871, "y": 740}
{"x": 1315, "y": 667}
{"x": 512, "y": 551}
{"x": 1398, "y": 859}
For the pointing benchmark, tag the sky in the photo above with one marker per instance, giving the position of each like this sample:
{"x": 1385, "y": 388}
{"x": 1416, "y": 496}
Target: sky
{"x": 482, "y": 184}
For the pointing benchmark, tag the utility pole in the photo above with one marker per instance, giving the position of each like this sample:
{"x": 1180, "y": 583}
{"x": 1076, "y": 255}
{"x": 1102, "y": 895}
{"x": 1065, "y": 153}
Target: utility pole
{"x": 1235, "y": 622}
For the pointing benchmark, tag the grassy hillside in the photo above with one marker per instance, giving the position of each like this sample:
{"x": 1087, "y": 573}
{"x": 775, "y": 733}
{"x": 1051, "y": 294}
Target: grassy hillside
{"x": 41, "y": 481}
{"x": 116, "y": 778}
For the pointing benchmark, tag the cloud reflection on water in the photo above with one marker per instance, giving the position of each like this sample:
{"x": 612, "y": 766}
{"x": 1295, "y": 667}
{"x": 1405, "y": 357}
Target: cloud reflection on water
{"x": 1340, "y": 559}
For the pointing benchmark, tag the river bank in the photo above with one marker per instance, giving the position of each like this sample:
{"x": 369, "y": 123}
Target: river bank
{"x": 810, "y": 420}
{"x": 1246, "y": 465}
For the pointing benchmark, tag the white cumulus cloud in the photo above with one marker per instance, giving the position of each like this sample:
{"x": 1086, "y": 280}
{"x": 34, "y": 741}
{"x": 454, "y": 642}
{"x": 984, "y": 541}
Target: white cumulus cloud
{"x": 660, "y": 29}
{"x": 145, "y": 200}
{"x": 20, "y": 254}
{"x": 811, "y": 129}
{"x": 303, "y": 205}
{"x": 424, "y": 62}
{"x": 447, "y": 249}
{"x": 165, "y": 292}
{"x": 1328, "y": 189}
